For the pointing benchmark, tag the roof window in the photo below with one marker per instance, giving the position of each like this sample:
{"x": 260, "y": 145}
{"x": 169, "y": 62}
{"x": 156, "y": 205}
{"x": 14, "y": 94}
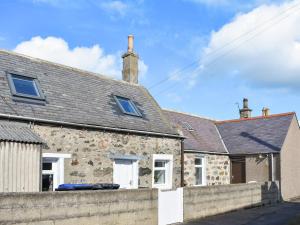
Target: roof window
{"x": 127, "y": 106}
{"x": 25, "y": 87}
{"x": 187, "y": 126}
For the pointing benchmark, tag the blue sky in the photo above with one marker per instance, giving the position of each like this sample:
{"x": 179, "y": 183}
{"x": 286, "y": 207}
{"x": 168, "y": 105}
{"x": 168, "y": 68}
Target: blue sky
{"x": 210, "y": 53}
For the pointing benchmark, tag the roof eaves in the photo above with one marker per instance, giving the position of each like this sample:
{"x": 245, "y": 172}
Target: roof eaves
{"x": 113, "y": 129}
{"x": 205, "y": 152}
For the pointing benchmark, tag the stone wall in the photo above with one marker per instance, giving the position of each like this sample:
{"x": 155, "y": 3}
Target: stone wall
{"x": 212, "y": 200}
{"x": 217, "y": 169}
{"x": 91, "y": 150}
{"x": 130, "y": 207}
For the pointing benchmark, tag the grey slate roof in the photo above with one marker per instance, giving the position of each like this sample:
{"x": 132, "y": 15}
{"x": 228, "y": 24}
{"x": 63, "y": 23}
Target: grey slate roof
{"x": 17, "y": 132}
{"x": 203, "y": 138}
{"x": 255, "y": 135}
{"x": 77, "y": 96}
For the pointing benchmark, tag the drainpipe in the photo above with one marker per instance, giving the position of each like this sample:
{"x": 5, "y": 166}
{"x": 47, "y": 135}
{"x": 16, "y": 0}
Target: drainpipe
{"x": 182, "y": 163}
{"x": 272, "y": 167}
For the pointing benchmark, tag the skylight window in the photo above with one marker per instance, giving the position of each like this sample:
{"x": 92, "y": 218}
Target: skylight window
{"x": 127, "y": 106}
{"x": 23, "y": 86}
{"x": 187, "y": 126}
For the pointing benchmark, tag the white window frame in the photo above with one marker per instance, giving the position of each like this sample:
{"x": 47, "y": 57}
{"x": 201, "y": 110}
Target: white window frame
{"x": 203, "y": 167}
{"x": 58, "y": 171}
{"x": 169, "y": 171}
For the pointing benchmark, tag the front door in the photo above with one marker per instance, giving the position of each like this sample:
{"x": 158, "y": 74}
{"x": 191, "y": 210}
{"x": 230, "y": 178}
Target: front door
{"x": 126, "y": 173}
{"x": 50, "y": 176}
{"x": 238, "y": 170}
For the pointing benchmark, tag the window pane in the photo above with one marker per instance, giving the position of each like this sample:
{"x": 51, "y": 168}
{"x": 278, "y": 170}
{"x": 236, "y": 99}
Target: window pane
{"x": 159, "y": 176}
{"x": 127, "y": 105}
{"x": 160, "y": 163}
{"x": 198, "y": 176}
{"x": 198, "y": 161}
{"x": 47, "y": 166}
{"x": 25, "y": 86}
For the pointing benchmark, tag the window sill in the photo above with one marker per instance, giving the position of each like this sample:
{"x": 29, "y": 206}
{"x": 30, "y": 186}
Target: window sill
{"x": 162, "y": 186}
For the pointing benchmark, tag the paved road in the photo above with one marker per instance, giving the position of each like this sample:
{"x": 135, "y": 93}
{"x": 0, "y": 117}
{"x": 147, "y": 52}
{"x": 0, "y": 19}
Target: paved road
{"x": 281, "y": 214}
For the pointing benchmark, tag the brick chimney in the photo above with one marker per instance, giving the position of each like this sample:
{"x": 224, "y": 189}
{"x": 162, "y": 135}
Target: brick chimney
{"x": 265, "y": 111}
{"x": 130, "y": 63}
{"x": 245, "y": 112}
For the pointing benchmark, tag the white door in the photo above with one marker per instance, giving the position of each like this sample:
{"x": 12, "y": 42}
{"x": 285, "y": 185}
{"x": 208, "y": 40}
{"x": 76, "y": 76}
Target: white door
{"x": 126, "y": 173}
{"x": 170, "y": 206}
{"x": 53, "y": 170}
{"x": 50, "y": 175}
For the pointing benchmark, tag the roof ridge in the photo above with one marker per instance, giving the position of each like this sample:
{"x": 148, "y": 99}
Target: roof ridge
{"x": 189, "y": 114}
{"x": 59, "y": 65}
{"x": 255, "y": 118}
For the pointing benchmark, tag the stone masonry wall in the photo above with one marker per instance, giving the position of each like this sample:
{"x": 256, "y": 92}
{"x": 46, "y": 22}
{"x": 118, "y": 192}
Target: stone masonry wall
{"x": 212, "y": 200}
{"x": 117, "y": 207}
{"x": 90, "y": 150}
{"x": 217, "y": 169}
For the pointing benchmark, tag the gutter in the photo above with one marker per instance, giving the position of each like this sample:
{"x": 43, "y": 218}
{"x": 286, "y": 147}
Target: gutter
{"x": 206, "y": 152}
{"x": 122, "y": 130}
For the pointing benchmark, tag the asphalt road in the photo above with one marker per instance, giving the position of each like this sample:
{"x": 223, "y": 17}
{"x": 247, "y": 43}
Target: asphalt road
{"x": 281, "y": 214}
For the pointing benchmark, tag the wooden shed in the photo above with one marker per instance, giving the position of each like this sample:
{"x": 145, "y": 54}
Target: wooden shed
{"x": 20, "y": 158}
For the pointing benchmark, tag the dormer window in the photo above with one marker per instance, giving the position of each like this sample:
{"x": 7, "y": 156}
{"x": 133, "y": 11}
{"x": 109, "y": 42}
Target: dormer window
{"x": 127, "y": 106}
{"x": 26, "y": 87}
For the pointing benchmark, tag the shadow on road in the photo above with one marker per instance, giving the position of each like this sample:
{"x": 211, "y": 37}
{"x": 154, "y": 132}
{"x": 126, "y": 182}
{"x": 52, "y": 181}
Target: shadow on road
{"x": 286, "y": 213}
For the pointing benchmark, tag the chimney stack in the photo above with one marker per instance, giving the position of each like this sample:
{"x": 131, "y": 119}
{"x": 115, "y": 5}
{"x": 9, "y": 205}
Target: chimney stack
{"x": 130, "y": 63}
{"x": 245, "y": 112}
{"x": 265, "y": 111}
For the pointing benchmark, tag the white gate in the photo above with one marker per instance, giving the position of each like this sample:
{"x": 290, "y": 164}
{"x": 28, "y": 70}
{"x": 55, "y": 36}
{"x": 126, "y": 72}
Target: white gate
{"x": 170, "y": 206}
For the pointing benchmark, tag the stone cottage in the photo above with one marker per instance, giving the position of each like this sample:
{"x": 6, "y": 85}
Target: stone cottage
{"x": 249, "y": 149}
{"x": 85, "y": 127}
{"x": 206, "y": 159}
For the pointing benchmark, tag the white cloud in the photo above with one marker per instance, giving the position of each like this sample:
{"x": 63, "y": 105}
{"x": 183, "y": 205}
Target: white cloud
{"x": 91, "y": 58}
{"x": 271, "y": 56}
{"x": 115, "y": 7}
{"x": 234, "y": 5}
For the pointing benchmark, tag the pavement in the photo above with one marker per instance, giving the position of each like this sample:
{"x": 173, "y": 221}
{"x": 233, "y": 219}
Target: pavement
{"x": 287, "y": 213}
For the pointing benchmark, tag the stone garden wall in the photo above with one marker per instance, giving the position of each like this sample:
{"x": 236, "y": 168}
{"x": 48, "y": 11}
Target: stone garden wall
{"x": 91, "y": 152}
{"x": 212, "y": 200}
{"x": 217, "y": 169}
{"x": 130, "y": 207}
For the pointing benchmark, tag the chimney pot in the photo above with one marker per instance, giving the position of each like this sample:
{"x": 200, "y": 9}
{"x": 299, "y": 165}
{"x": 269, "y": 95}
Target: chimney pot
{"x": 245, "y": 103}
{"x": 245, "y": 112}
{"x": 265, "y": 111}
{"x": 130, "y": 43}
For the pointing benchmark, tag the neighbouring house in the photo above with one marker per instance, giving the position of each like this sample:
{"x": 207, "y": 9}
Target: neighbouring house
{"x": 206, "y": 159}
{"x": 264, "y": 148}
{"x": 249, "y": 149}
{"x": 63, "y": 125}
